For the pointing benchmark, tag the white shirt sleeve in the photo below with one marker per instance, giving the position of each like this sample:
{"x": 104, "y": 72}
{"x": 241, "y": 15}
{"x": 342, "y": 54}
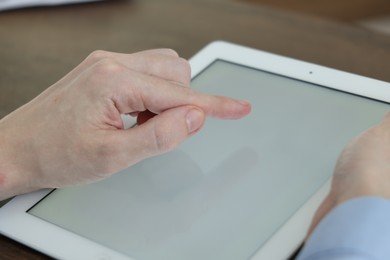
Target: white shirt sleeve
{"x": 357, "y": 229}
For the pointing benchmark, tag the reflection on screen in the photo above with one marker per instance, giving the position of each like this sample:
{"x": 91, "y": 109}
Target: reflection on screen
{"x": 225, "y": 191}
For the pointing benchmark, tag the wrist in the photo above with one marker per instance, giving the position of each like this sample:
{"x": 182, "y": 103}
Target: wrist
{"x": 13, "y": 179}
{"x": 366, "y": 185}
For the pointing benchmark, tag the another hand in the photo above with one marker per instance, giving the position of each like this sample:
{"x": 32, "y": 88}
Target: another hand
{"x": 73, "y": 132}
{"x": 363, "y": 169}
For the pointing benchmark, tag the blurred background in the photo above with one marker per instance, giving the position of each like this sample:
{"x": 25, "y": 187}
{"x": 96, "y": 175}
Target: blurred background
{"x": 371, "y": 14}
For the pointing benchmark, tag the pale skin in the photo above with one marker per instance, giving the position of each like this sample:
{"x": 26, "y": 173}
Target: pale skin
{"x": 73, "y": 133}
{"x": 363, "y": 169}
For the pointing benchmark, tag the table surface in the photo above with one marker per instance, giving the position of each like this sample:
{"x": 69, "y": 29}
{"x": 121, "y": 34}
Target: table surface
{"x": 40, "y": 45}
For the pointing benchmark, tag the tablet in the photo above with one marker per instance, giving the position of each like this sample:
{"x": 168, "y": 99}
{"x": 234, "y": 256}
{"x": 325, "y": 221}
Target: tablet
{"x": 239, "y": 189}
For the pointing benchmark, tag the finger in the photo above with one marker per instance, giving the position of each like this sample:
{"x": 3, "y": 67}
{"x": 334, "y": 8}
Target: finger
{"x": 161, "y": 51}
{"x": 161, "y": 133}
{"x": 163, "y": 63}
{"x": 157, "y": 95}
{"x": 99, "y": 55}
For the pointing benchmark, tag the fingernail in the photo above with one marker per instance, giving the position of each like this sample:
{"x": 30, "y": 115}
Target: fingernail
{"x": 194, "y": 120}
{"x": 243, "y": 102}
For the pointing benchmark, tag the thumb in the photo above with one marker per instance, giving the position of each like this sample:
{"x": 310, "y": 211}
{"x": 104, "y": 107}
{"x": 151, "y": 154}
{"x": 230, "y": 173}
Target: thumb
{"x": 163, "y": 132}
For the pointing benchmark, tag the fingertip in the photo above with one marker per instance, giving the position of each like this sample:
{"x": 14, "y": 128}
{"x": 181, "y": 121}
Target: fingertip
{"x": 246, "y": 107}
{"x": 240, "y": 109}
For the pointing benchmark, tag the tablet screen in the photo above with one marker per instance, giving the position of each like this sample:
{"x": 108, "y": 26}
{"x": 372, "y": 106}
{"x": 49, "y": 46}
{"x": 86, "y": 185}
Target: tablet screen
{"x": 223, "y": 193}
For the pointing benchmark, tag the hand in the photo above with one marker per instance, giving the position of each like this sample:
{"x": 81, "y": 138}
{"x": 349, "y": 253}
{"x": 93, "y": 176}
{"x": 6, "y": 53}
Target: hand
{"x": 73, "y": 133}
{"x": 363, "y": 169}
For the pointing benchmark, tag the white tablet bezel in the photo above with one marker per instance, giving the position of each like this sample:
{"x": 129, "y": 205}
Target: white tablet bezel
{"x": 16, "y": 223}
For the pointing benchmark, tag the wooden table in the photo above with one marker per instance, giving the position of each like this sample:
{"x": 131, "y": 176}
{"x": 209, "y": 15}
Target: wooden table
{"x": 40, "y": 45}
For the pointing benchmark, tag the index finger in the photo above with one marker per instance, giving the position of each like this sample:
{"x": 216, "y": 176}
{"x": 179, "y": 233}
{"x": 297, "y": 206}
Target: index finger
{"x": 163, "y": 63}
{"x": 157, "y": 95}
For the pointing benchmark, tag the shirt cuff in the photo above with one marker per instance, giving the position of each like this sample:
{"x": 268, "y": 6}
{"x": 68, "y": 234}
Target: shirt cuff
{"x": 356, "y": 229}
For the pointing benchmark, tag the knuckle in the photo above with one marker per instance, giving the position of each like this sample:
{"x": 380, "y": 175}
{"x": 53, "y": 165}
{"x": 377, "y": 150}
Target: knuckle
{"x": 181, "y": 71}
{"x": 169, "y": 52}
{"x": 185, "y": 65}
{"x": 102, "y": 74}
{"x": 107, "y": 67}
{"x": 97, "y": 55}
{"x": 186, "y": 69}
